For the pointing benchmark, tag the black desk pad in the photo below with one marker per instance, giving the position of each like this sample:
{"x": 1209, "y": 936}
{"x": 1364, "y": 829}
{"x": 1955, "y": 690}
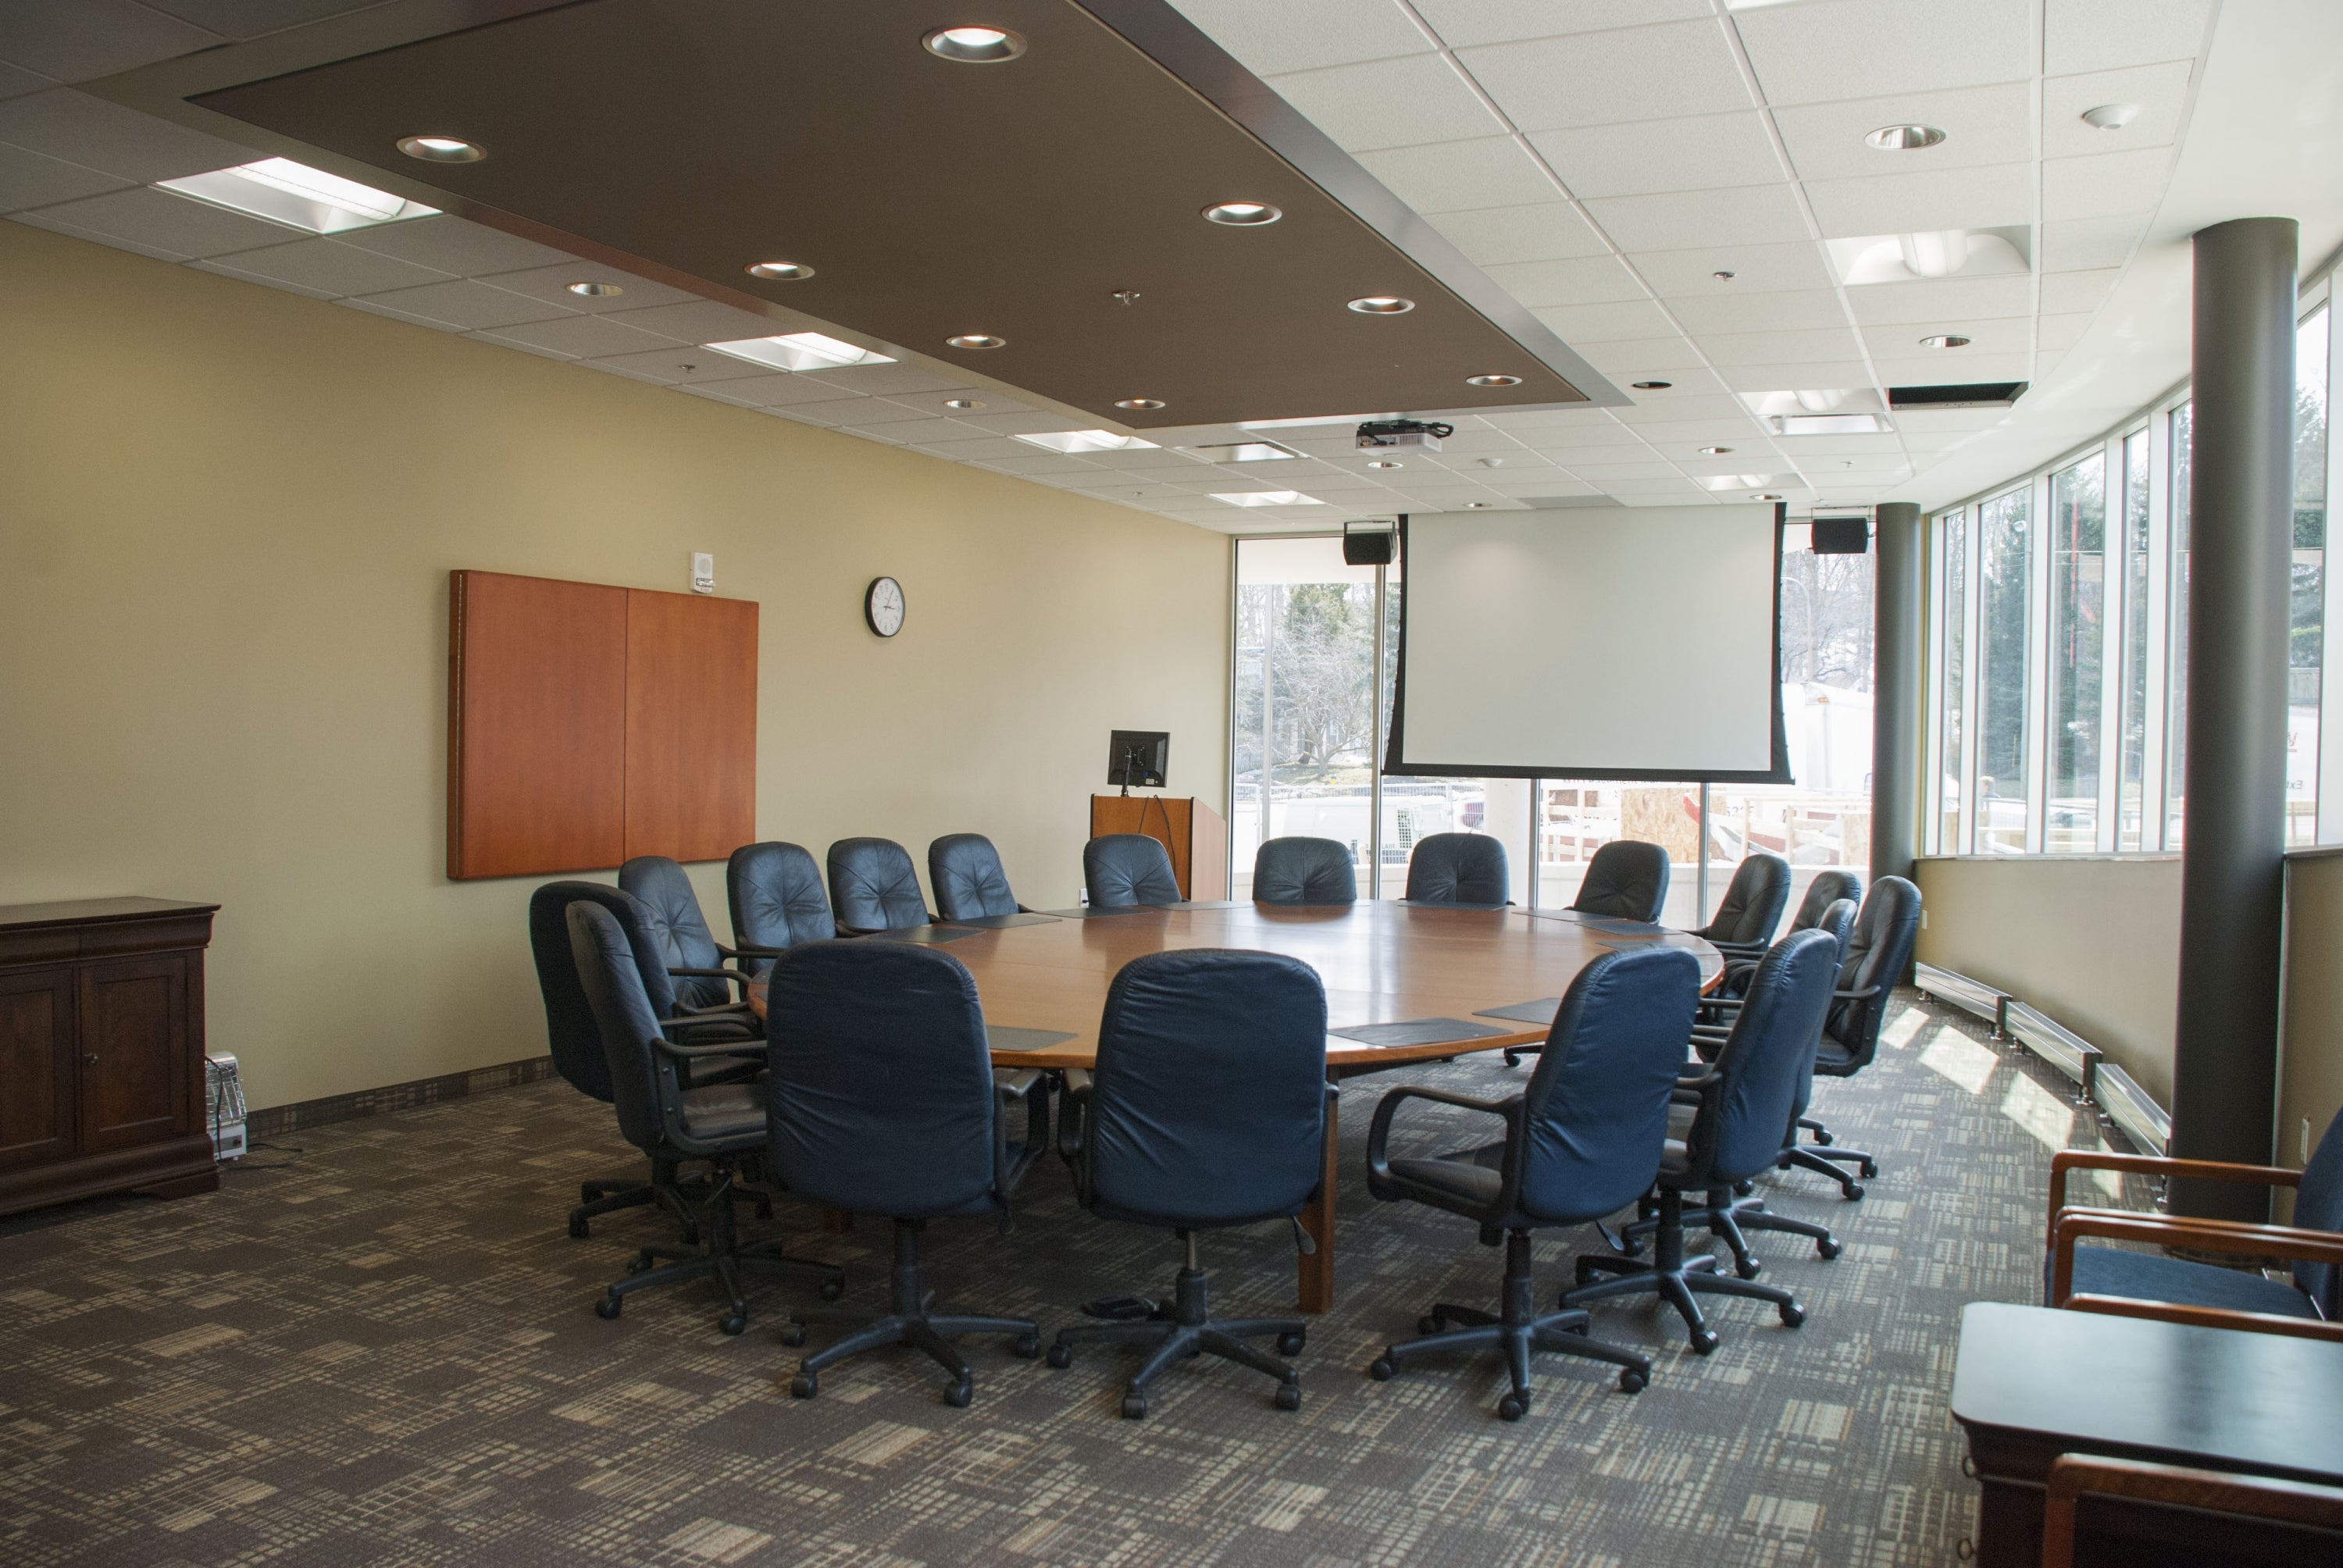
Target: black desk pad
{"x": 1540, "y": 1012}
{"x": 928, "y": 935}
{"x": 1002, "y": 1037}
{"x": 1203, "y": 904}
{"x": 1094, "y": 912}
{"x": 1417, "y": 1031}
{"x": 1002, "y": 922}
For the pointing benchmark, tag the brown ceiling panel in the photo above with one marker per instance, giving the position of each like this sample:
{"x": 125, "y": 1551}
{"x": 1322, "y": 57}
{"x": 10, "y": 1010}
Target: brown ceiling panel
{"x": 936, "y": 199}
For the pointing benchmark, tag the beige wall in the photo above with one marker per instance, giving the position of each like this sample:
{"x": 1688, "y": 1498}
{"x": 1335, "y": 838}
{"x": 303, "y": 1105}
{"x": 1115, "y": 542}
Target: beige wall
{"x": 2093, "y": 941}
{"x": 2312, "y": 1080}
{"x": 227, "y": 519}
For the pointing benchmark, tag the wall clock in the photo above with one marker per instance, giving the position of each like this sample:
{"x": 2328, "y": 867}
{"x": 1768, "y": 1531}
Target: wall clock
{"x": 882, "y": 605}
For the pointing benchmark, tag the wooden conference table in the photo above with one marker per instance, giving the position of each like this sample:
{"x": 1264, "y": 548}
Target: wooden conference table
{"x": 1042, "y": 981}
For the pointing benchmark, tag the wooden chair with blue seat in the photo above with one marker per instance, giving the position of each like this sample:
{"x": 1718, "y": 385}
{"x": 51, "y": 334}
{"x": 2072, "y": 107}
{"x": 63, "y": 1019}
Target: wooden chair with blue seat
{"x": 2104, "y": 1279}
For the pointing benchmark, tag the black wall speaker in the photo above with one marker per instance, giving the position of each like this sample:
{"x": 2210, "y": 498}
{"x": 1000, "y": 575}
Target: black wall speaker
{"x": 1370, "y": 547}
{"x": 1842, "y": 536}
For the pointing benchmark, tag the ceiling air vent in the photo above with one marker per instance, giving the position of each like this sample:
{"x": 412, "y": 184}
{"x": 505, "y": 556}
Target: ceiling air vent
{"x": 1970, "y": 395}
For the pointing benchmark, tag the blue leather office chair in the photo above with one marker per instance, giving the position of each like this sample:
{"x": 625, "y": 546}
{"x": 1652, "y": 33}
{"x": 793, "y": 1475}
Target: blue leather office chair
{"x": 1301, "y": 871}
{"x": 694, "y": 958}
{"x": 873, "y": 887}
{"x": 1745, "y": 1101}
{"x": 716, "y": 1125}
{"x": 964, "y": 869}
{"x": 1156, "y": 1137}
{"x": 1752, "y": 907}
{"x": 881, "y": 1099}
{"x": 1458, "y": 869}
{"x": 1828, "y": 887}
{"x": 1627, "y": 879}
{"x": 1879, "y": 953}
{"x": 1583, "y": 1140}
{"x": 777, "y": 901}
{"x": 1121, "y": 870}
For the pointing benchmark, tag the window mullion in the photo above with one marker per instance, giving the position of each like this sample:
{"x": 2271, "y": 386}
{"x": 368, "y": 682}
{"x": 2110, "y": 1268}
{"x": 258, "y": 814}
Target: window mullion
{"x": 2155, "y": 754}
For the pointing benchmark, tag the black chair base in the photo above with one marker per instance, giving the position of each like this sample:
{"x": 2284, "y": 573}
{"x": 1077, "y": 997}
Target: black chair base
{"x": 609, "y": 1195}
{"x": 1819, "y": 1155}
{"x": 1514, "y": 1053}
{"x": 1670, "y": 1275}
{"x": 711, "y": 1249}
{"x": 1517, "y": 1329}
{"x": 1727, "y": 1219}
{"x": 1188, "y": 1330}
{"x": 909, "y": 1323}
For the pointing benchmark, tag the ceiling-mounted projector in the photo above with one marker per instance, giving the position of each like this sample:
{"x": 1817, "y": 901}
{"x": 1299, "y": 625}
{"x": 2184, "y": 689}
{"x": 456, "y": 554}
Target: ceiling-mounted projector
{"x": 1401, "y": 434}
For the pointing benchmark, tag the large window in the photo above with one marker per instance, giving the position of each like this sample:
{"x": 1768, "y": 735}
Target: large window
{"x": 2078, "y": 546}
{"x": 2005, "y": 535}
{"x": 2306, "y": 628}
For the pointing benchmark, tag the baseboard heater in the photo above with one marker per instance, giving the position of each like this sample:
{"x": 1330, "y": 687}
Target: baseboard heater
{"x": 1968, "y": 995}
{"x": 2054, "y": 1043}
{"x": 2135, "y": 1112}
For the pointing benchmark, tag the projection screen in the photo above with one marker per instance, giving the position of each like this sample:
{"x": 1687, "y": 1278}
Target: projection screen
{"x": 1591, "y": 642}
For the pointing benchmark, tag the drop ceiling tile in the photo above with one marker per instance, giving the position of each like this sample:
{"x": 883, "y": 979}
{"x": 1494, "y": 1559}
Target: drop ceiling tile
{"x": 1940, "y": 369}
{"x": 1609, "y": 474}
{"x": 1706, "y": 152}
{"x": 1795, "y": 378}
{"x": 2106, "y": 185}
{"x": 991, "y": 408}
{"x": 1811, "y": 53}
{"x": 325, "y": 267}
{"x": 251, "y": 18}
{"x": 1691, "y": 273}
{"x": 166, "y": 224}
{"x": 2083, "y": 244}
{"x": 469, "y": 304}
{"x": 1463, "y": 23}
{"x": 1670, "y": 484}
{"x": 450, "y": 245}
{"x": 1642, "y": 358}
{"x": 218, "y": 270}
{"x": 1459, "y": 177}
{"x": 1945, "y": 299}
{"x": 1475, "y": 442}
{"x": 581, "y": 337}
{"x": 857, "y": 411}
{"x": 1734, "y": 310}
{"x": 2105, "y": 35}
{"x": 1748, "y": 214}
{"x": 1389, "y": 102}
{"x": 1830, "y": 449}
{"x": 1548, "y": 231}
{"x": 886, "y": 380}
{"x": 1991, "y": 196}
{"x": 38, "y": 219}
{"x": 551, "y": 285}
{"x": 920, "y": 433}
{"x": 80, "y": 129}
{"x": 2056, "y": 334}
{"x": 1729, "y": 349}
{"x": 1304, "y": 35}
{"x": 777, "y": 391}
{"x": 1581, "y": 280}
{"x": 876, "y": 433}
{"x": 1633, "y": 74}
{"x": 1675, "y": 407}
{"x": 2063, "y": 292}
{"x": 1004, "y": 457}
{"x": 1732, "y": 429}
{"x": 1981, "y": 124}
{"x": 373, "y": 309}
{"x": 687, "y": 365}
{"x": 1901, "y": 341}
{"x": 697, "y": 321}
{"x": 1577, "y": 323}
{"x": 15, "y": 82}
{"x": 2159, "y": 91}
{"x": 35, "y": 179}
{"x": 78, "y": 40}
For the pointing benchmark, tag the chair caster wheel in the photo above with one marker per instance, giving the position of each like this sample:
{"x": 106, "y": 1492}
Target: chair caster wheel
{"x": 579, "y": 1229}
{"x": 793, "y": 1335}
{"x": 1289, "y": 1396}
{"x": 734, "y": 1323}
{"x": 832, "y": 1289}
{"x": 1631, "y": 1247}
{"x": 1828, "y": 1248}
{"x": 1381, "y": 1369}
{"x": 764, "y": 1207}
{"x": 804, "y": 1385}
{"x": 1434, "y": 1325}
{"x": 607, "y": 1308}
{"x": 1704, "y": 1341}
{"x": 1747, "y": 1267}
{"x": 957, "y": 1395}
{"x": 1793, "y": 1314}
{"x": 1061, "y": 1356}
{"x": 1822, "y": 1137}
{"x": 1134, "y": 1407}
{"x": 1743, "y": 1189}
{"x": 1634, "y": 1380}
{"x": 1291, "y": 1344}
{"x": 1513, "y": 1407}
{"x": 1853, "y": 1192}
{"x": 638, "y": 1263}
{"x": 1870, "y": 1168}
{"x": 1026, "y": 1346}
{"x": 1512, "y": 1060}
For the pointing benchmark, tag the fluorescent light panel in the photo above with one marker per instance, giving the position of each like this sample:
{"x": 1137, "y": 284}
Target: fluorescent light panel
{"x": 1828, "y": 424}
{"x": 298, "y": 196}
{"x": 1268, "y": 498}
{"x": 800, "y": 351}
{"x": 1086, "y": 441}
{"x": 1245, "y": 452}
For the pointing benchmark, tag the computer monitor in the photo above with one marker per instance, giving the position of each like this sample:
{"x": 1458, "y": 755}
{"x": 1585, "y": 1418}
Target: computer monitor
{"x": 1137, "y": 757}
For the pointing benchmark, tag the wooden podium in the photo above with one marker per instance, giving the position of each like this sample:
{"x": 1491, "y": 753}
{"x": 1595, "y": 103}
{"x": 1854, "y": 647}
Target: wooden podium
{"x": 1192, "y": 831}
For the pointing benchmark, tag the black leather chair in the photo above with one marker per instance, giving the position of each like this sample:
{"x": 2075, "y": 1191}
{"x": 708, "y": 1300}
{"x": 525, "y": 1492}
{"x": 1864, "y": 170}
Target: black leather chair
{"x": 1458, "y": 869}
{"x": 1879, "y": 953}
{"x": 1583, "y": 1140}
{"x": 1753, "y": 905}
{"x": 719, "y": 1125}
{"x": 1299, "y": 870}
{"x": 1121, "y": 870}
{"x": 964, "y": 869}
{"x": 777, "y": 899}
{"x": 873, "y": 887}
{"x": 1744, "y": 1100}
{"x": 1829, "y": 886}
{"x": 881, "y": 1099}
{"x": 1155, "y": 1138}
{"x": 1627, "y": 879}
{"x": 694, "y": 958}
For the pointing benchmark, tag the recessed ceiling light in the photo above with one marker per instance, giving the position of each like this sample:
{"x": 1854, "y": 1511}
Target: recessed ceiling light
{"x": 800, "y": 351}
{"x": 1945, "y": 340}
{"x": 1242, "y": 214}
{"x": 1383, "y": 304}
{"x": 1268, "y": 498}
{"x": 298, "y": 196}
{"x": 1245, "y": 452}
{"x": 976, "y": 340}
{"x": 1828, "y": 424}
{"x": 1492, "y": 381}
{"x": 1905, "y": 138}
{"x": 1139, "y": 404}
{"x": 974, "y": 46}
{"x": 596, "y": 290}
{"x": 963, "y": 403}
{"x": 1477, "y": 506}
{"x": 442, "y": 149}
{"x": 1385, "y": 463}
{"x": 1769, "y": 495}
{"x": 1651, "y": 385}
{"x": 2110, "y": 116}
{"x": 1492, "y": 462}
{"x": 1735, "y": 481}
{"x": 1714, "y": 452}
{"x": 1724, "y": 276}
{"x": 1086, "y": 441}
{"x": 777, "y": 271}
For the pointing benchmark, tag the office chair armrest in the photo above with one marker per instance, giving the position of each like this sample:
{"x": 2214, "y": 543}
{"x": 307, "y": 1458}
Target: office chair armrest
{"x": 2206, "y": 1317}
{"x": 667, "y": 1047}
{"x": 2068, "y": 1159}
{"x": 1866, "y": 994}
{"x": 1733, "y": 949}
{"x": 750, "y": 951}
{"x": 2170, "y": 1230}
{"x": 1379, "y": 1129}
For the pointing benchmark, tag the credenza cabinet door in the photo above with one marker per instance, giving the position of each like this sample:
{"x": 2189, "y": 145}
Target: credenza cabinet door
{"x": 134, "y": 1051}
{"x": 37, "y": 1047}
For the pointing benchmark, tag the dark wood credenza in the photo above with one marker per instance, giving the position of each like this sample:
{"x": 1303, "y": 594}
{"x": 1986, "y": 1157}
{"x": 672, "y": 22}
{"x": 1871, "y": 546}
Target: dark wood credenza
{"x": 102, "y": 1050}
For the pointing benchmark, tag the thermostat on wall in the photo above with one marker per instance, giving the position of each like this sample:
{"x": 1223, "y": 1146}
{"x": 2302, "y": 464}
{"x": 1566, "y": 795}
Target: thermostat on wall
{"x": 703, "y": 573}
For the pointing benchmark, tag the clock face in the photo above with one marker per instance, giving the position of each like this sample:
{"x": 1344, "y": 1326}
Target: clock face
{"x": 882, "y": 605}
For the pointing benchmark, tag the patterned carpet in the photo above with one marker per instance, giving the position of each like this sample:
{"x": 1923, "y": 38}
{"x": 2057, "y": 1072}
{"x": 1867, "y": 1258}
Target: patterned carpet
{"x": 378, "y": 1350}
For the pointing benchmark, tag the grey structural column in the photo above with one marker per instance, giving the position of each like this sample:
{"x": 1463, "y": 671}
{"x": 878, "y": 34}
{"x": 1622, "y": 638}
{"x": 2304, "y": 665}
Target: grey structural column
{"x": 2232, "y": 865}
{"x": 1898, "y": 618}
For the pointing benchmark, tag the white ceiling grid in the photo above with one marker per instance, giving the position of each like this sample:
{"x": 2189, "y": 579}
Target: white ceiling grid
{"x": 1600, "y": 159}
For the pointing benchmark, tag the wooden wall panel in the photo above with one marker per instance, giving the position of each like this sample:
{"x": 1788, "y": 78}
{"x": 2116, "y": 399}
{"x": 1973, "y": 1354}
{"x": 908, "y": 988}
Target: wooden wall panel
{"x": 537, "y": 725}
{"x": 691, "y": 725}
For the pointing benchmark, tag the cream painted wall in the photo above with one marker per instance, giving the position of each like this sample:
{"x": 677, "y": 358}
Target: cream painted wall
{"x": 227, "y": 519}
{"x": 2310, "y": 1087}
{"x": 2092, "y": 940}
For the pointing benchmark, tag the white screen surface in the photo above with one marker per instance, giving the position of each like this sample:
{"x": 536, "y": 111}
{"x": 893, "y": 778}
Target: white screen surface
{"x": 1590, "y": 642}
